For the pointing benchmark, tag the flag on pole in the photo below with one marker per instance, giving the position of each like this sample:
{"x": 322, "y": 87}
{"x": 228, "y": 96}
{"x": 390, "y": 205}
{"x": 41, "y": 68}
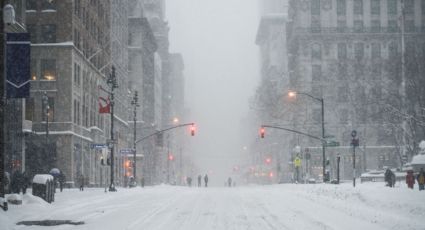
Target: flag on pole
{"x": 104, "y": 101}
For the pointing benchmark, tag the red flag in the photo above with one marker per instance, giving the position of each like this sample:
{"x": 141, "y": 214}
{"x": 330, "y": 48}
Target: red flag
{"x": 104, "y": 102}
{"x": 104, "y": 105}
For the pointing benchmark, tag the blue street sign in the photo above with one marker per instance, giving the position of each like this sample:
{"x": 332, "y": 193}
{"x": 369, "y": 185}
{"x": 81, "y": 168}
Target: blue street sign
{"x": 98, "y": 146}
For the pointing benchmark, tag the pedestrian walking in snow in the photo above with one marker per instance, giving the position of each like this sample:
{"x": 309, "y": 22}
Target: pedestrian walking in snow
{"x": 61, "y": 181}
{"x": 189, "y": 181}
{"x": 421, "y": 179}
{"x": 26, "y": 182}
{"x": 206, "y": 180}
{"x": 389, "y": 178}
{"x": 81, "y": 181}
{"x": 199, "y": 180}
{"x": 17, "y": 181}
{"x": 410, "y": 179}
{"x": 229, "y": 182}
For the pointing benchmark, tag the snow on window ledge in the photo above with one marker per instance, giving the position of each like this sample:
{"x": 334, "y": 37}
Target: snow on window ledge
{"x": 49, "y": 11}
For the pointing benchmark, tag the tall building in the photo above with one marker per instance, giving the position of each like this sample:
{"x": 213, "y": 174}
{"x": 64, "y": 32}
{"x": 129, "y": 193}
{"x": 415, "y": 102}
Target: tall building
{"x": 360, "y": 56}
{"x": 70, "y": 59}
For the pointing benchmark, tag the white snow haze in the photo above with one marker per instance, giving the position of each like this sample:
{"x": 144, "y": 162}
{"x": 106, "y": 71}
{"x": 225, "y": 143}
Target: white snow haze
{"x": 217, "y": 41}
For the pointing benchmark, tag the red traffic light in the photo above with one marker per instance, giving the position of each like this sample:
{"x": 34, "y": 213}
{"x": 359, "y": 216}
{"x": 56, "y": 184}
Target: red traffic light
{"x": 262, "y": 132}
{"x": 170, "y": 157}
{"x": 268, "y": 160}
{"x": 271, "y": 174}
{"x": 192, "y": 130}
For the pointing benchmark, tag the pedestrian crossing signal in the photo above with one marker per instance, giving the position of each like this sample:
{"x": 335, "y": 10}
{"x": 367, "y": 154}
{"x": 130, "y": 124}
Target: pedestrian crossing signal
{"x": 262, "y": 132}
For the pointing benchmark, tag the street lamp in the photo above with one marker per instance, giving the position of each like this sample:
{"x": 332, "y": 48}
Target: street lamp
{"x": 293, "y": 94}
{"x": 46, "y": 107}
{"x": 135, "y": 103}
{"x": 113, "y": 84}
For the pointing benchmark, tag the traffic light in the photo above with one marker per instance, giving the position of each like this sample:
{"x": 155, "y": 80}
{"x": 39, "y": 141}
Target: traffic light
{"x": 271, "y": 174}
{"x": 192, "y": 130}
{"x": 268, "y": 160}
{"x": 262, "y": 132}
{"x": 170, "y": 157}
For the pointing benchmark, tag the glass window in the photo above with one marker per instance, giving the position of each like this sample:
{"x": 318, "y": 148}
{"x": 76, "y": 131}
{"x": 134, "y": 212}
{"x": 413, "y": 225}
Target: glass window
{"x": 32, "y": 30}
{"x": 358, "y": 50}
{"x": 48, "y": 33}
{"x": 51, "y": 112}
{"x": 342, "y": 51}
{"x": 315, "y": 26}
{"x": 341, "y": 7}
{"x": 49, "y": 4}
{"x": 31, "y": 4}
{"x": 341, "y": 26}
{"x": 315, "y": 7}
{"x": 33, "y": 67}
{"x": 392, "y": 50}
{"x": 48, "y": 69}
{"x": 376, "y": 50}
{"x": 29, "y": 109}
{"x": 358, "y": 7}
{"x": 375, "y": 7}
{"x": 316, "y": 72}
{"x": 358, "y": 26}
{"x": 392, "y": 7}
{"x": 423, "y": 7}
{"x": 375, "y": 26}
{"x": 409, "y": 6}
{"x": 392, "y": 26}
{"x": 316, "y": 51}
{"x": 409, "y": 26}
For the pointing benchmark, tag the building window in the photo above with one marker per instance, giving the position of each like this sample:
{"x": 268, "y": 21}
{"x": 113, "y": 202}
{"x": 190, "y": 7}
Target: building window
{"x": 316, "y": 72}
{"x": 343, "y": 116}
{"x": 358, "y": 50}
{"x": 315, "y": 26}
{"x": 342, "y": 51}
{"x": 315, "y": 7}
{"x": 342, "y": 70}
{"x": 409, "y": 26}
{"x": 33, "y": 67}
{"x": 376, "y": 50}
{"x": 316, "y": 51}
{"x": 423, "y": 7}
{"x": 51, "y": 112}
{"x": 409, "y": 7}
{"x": 358, "y": 26}
{"x": 77, "y": 4}
{"x": 358, "y": 7}
{"x": 77, "y": 74}
{"x": 392, "y": 50}
{"x": 341, "y": 26}
{"x": 48, "y": 69}
{"x": 29, "y": 109}
{"x": 75, "y": 111}
{"x": 341, "y": 7}
{"x": 77, "y": 39}
{"x": 342, "y": 94}
{"x": 32, "y": 30}
{"x": 49, "y": 4}
{"x": 375, "y": 7}
{"x": 392, "y": 26}
{"x": 392, "y": 7}
{"x": 48, "y": 33}
{"x": 375, "y": 26}
{"x": 31, "y": 4}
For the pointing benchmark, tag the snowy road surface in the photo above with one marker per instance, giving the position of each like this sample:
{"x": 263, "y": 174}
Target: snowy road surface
{"x": 369, "y": 206}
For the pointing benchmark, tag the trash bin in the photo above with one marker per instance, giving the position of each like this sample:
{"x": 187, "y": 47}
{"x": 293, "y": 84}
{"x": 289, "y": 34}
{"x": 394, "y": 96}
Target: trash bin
{"x": 42, "y": 186}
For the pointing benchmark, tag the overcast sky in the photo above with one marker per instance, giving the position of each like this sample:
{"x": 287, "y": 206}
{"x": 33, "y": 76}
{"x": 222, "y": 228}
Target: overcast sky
{"x": 217, "y": 41}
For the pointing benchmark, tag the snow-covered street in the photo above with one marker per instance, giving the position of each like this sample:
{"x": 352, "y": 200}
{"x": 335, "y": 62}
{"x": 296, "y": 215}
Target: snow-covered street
{"x": 288, "y": 206}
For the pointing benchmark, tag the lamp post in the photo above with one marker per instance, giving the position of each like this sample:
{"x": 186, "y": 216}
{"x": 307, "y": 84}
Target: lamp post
{"x": 293, "y": 94}
{"x": 112, "y": 82}
{"x": 3, "y": 202}
{"x": 135, "y": 104}
{"x": 46, "y": 108}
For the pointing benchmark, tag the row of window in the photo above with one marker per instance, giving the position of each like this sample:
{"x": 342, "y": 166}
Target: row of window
{"x": 30, "y": 109}
{"x": 375, "y": 7}
{"x": 375, "y": 26}
{"x": 42, "y": 33}
{"x": 359, "y": 50}
{"x": 43, "y": 69}
{"x": 40, "y": 4}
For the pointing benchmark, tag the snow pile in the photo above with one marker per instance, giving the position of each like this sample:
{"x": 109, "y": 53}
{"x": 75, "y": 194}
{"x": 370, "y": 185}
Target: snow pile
{"x": 42, "y": 178}
{"x": 418, "y": 160}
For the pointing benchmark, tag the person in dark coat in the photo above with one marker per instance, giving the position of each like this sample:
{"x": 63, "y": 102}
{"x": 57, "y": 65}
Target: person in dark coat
{"x": 206, "y": 180}
{"x": 142, "y": 182}
{"x": 81, "y": 181}
{"x": 17, "y": 182}
{"x": 26, "y": 182}
{"x": 229, "y": 182}
{"x": 389, "y": 178}
{"x": 421, "y": 179}
{"x": 410, "y": 179}
{"x": 61, "y": 181}
{"x": 199, "y": 180}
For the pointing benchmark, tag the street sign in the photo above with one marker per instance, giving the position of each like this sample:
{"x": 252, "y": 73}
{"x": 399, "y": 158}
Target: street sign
{"x": 98, "y": 146}
{"x": 297, "y": 162}
{"x": 332, "y": 144}
{"x": 126, "y": 150}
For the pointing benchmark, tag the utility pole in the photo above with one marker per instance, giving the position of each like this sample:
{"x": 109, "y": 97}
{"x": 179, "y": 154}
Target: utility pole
{"x": 2, "y": 109}
{"x": 168, "y": 158}
{"x": 112, "y": 82}
{"x": 135, "y": 104}
{"x": 354, "y": 143}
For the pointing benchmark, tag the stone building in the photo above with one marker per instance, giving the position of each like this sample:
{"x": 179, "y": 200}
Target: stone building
{"x": 70, "y": 59}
